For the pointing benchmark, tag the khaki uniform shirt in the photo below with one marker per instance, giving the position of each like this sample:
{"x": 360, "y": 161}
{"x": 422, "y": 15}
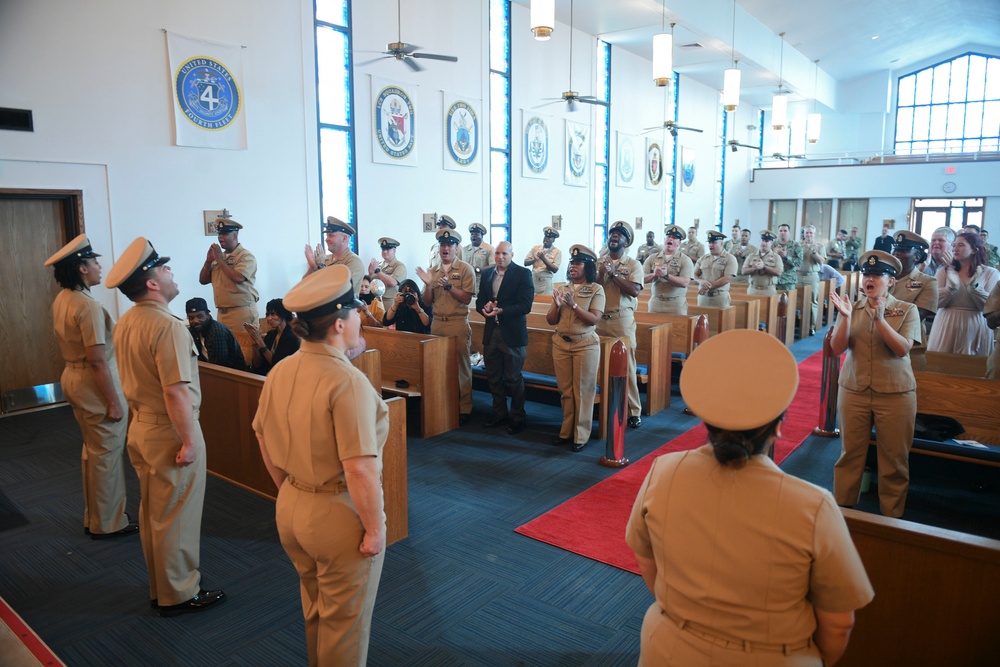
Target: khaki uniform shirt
{"x": 712, "y": 268}
{"x": 836, "y": 246}
{"x": 354, "y": 264}
{"x": 397, "y": 270}
{"x": 479, "y": 259}
{"x": 436, "y": 254}
{"x": 870, "y": 362}
{"x": 588, "y": 296}
{"x": 80, "y": 321}
{"x": 809, "y": 263}
{"x": 629, "y": 270}
{"x": 646, "y": 251}
{"x": 760, "y": 279}
{"x": 553, "y": 254}
{"x": 156, "y": 350}
{"x": 921, "y": 290}
{"x": 317, "y": 410}
{"x": 679, "y": 265}
{"x": 234, "y": 295}
{"x": 461, "y": 276}
{"x": 693, "y": 249}
{"x": 741, "y": 252}
{"x": 748, "y": 552}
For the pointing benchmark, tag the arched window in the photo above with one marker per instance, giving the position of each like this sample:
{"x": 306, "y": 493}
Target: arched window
{"x": 950, "y": 107}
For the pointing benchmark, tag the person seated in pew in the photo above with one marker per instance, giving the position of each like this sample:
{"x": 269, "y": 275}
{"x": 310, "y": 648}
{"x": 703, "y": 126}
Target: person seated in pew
{"x": 713, "y": 272}
{"x": 876, "y": 385}
{"x": 371, "y": 309}
{"x": 215, "y": 343}
{"x": 407, "y": 312}
{"x": 916, "y": 287}
{"x": 764, "y": 267}
{"x": 279, "y": 341}
{"x": 748, "y": 565}
{"x": 668, "y": 273}
{"x": 963, "y": 287}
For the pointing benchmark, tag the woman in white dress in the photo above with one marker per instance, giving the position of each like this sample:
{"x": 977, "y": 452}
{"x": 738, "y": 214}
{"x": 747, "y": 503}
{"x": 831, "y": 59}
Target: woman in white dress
{"x": 963, "y": 287}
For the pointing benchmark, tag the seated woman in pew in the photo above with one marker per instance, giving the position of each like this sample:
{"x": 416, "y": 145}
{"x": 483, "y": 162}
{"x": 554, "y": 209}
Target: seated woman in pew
{"x": 748, "y": 564}
{"x": 279, "y": 342}
{"x": 963, "y": 287}
{"x": 372, "y": 311}
{"x": 407, "y": 313}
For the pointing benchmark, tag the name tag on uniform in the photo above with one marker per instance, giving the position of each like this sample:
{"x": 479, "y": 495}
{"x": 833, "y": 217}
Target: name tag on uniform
{"x": 455, "y": 275}
{"x": 913, "y": 287}
{"x": 585, "y": 290}
{"x": 721, "y": 260}
{"x": 894, "y": 312}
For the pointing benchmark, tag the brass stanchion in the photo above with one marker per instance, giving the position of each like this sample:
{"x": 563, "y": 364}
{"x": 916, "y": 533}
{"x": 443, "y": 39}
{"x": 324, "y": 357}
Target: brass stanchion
{"x": 616, "y": 395}
{"x": 828, "y": 390}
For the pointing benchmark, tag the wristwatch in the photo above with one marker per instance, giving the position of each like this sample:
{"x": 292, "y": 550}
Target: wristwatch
{"x": 378, "y": 270}
{"x": 447, "y": 287}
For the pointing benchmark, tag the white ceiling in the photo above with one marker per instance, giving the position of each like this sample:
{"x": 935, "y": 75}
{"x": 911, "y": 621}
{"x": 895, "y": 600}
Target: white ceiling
{"x": 837, "y": 34}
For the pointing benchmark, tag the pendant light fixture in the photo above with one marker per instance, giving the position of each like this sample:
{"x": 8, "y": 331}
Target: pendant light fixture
{"x": 815, "y": 119}
{"x": 779, "y": 105}
{"x": 731, "y": 78}
{"x": 543, "y": 19}
{"x": 663, "y": 56}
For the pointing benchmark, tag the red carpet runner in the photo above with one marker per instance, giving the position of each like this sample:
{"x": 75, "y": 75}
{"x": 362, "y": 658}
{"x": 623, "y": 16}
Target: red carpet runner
{"x": 592, "y": 524}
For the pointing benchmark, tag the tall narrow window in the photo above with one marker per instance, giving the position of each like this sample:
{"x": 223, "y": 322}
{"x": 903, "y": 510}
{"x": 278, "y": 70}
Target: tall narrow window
{"x": 950, "y": 107}
{"x": 602, "y": 141}
{"x": 499, "y": 121}
{"x": 720, "y": 168}
{"x": 335, "y": 110}
{"x": 670, "y": 201}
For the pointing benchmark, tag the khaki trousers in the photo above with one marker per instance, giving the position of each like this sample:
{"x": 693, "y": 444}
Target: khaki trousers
{"x": 762, "y": 291}
{"x": 235, "y": 318}
{"x": 457, "y": 326}
{"x": 169, "y": 508}
{"x": 893, "y": 416}
{"x": 542, "y": 282}
{"x": 676, "y": 305}
{"x": 321, "y": 533}
{"x": 812, "y": 279}
{"x": 576, "y": 365}
{"x": 718, "y": 300}
{"x": 622, "y": 325}
{"x": 101, "y": 458}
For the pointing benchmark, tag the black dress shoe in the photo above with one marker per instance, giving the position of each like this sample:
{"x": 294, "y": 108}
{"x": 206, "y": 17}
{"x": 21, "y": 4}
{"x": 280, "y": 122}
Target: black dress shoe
{"x": 578, "y": 446}
{"x": 464, "y": 418}
{"x": 516, "y": 427}
{"x": 634, "y": 422}
{"x": 493, "y": 422}
{"x": 559, "y": 441}
{"x": 127, "y": 530}
{"x": 200, "y": 602}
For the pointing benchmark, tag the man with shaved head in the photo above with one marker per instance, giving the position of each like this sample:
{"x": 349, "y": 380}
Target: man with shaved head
{"x": 506, "y": 291}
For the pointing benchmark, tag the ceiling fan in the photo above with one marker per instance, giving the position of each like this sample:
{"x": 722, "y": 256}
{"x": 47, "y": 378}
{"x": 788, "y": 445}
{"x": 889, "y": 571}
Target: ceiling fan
{"x": 405, "y": 52}
{"x": 671, "y": 127}
{"x": 732, "y": 143}
{"x": 570, "y": 96}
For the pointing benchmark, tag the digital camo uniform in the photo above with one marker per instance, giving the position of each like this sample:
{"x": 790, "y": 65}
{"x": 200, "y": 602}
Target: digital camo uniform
{"x": 712, "y": 268}
{"x": 666, "y": 297}
{"x": 813, "y": 257}
{"x": 791, "y": 263}
{"x": 540, "y": 274}
{"x": 346, "y": 257}
{"x": 478, "y": 257}
{"x": 619, "y": 313}
{"x": 853, "y": 246}
{"x": 80, "y": 321}
{"x": 444, "y": 222}
{"x": 877, "y": 387}
{"x": 236, "y": 303}
{"x": 576, "y": 354}
{"x": 919, "y": 289}
{"x": 451, "y": 318}
{"x": 393, "y": 267}
{"x": 760, "y": 281}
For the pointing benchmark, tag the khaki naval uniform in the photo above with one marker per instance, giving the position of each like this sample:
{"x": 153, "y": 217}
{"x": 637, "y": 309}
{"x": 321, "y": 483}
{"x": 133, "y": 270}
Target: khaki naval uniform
{"x": 435, "y": 257}
{"x": 741, "y": 252}
{"x": 921, "y": 290}
{"x": 695, "y": 250}
{"x": 666, "y": 297}
{"x": 576, "y": 354}
{"x": 540, "y": 274}
{"x": 157, "y": 351}
{"x": 332, "y": 414}
{"x": 236, "y": 303}
{"x": 761, "y": 282}
{"x": 353, "y": 264}
{"x": 645, "y": 251}
{"x": 809, "y": 275}
{"x": 478, "y": 258}
{"x": 619, "y": 320}
{"x": 713, "y": 268}
{"x": 725, "y": 595}
{"x": 877, "y": 386}
{"x": 80, "y": 322}
{"x": 397, "y": 270}
{"x": 451, "y": 318}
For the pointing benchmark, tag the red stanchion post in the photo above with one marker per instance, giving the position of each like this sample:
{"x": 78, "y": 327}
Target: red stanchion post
{"x": 700, "y": 336}
{"x": 616, "y": 395}
{"x": 782, "y": 316}
{"x": 828, "y": 390}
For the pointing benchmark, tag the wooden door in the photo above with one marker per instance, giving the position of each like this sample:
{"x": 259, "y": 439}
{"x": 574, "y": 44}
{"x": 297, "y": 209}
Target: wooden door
{"x": 32, "y": 227}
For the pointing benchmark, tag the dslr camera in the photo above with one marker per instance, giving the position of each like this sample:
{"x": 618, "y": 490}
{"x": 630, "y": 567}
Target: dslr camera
{"x": 409, "y": 298}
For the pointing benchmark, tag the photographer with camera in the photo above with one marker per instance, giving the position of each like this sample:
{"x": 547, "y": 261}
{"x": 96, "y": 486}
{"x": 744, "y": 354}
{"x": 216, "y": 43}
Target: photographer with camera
{"x": 407, "y": 312}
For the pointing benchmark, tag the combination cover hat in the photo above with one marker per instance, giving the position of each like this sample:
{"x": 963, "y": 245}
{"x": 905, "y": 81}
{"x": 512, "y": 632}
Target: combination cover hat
{"x": 767, "y": 235}
{"x": 581, "y": 253}
{"x": 448, "y": 236}
{"x": 624, "y": 228}
{"x": 387, "y": 242}
{"x": 138, "y": 258}
{"x": 476, "y": 227}
{"x": 322, "y": 292}
{"x": 227, "y": 225}
{"x": 675, "y": 231}
{"x": 551, "y": 231}
{"x": 907, "y": 239}
{"x": 447, "y": 221}
{"x": 78, "y": 248}
{"x": 879, "y": 262}
{"x": 715, "y": 235}
{"x": 337, "y": 225}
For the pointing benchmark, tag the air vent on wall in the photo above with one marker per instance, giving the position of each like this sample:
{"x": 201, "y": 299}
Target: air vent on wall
{"x": 16, "y": 119}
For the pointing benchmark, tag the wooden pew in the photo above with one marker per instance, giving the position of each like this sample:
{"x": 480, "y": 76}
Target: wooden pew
{"x": 229, "y": 403}
{"x": 428, "y": 365}
{"x": 767, "y": 307}
{"x": 804, "y": 308}
{"x": 538, "y": 360}
{"x": 975, "y": 402}
{"x": 965, "y": 365}
{"x": 719, "y": 319}
{"x": 936, "y": 595}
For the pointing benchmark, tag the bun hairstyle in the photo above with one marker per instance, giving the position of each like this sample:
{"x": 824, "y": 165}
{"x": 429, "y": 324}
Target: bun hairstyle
{"x": 734, "y": 448}
{"x": 315, "y": 329}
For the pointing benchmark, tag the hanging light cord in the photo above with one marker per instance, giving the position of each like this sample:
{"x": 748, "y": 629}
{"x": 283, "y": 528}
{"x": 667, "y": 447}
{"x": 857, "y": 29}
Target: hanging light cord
{"x": 732, "y": 45}
{"x": 781, "y": 62}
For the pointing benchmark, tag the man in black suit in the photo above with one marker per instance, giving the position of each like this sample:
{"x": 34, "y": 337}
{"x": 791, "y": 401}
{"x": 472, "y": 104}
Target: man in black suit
{"x": 505, "y": 295}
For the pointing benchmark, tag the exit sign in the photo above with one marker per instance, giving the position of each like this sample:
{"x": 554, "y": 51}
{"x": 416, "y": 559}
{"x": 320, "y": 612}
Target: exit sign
{"x": 950, "y": 169}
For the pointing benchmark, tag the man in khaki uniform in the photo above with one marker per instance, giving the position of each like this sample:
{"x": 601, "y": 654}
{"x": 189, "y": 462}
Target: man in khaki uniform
{"x": 669, "y": 273}
{"x": 813, "y": 257}
{"x": 159, "y": 370}
{"x": 622, "y": 280}
{"x": 741, "y": 251}
{"x": 450, "y": 286}
{"x": 90, "y": 383}
{"x": 390, "y": 270}
{"x": 763, "y": 267}
{"x": 444, "y": 222}
{"x": 647, "y": 249}
{"x": 232, "y": 270}
{"x": 337, "y": 235}
{"x": 713, "y": 272}
{"x": 733, "y": 240}
{"x": 836, "y": 249}
{"x": 544, "y": 261}
{"x": 693, "y": 248}
{"x": 915, "y": 287}
{"x": 477, "y": 254}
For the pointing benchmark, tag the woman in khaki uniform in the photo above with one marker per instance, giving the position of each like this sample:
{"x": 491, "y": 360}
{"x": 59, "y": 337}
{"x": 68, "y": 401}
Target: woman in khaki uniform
{"x": 90, "y": 383}
{"x": 321, "y": 428}
{"x": 576, "y": 309}
{"x": 916, "y": 287}
{"x": 876, "y": 384}
{"x": 713, "y": 272}
{"x": 764, "y": 267}
{"x": 748, "y": 564}
{"x": 669, "y": 273}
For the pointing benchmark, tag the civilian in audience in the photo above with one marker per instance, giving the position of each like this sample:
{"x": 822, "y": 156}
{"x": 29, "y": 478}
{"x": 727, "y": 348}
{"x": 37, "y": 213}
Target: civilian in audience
{"x": 407, "y": 312}
{"x": 963, "y": 287}
{"x": 214, "y": 341}
{"x": 279, "y": 341}
{"x": 371, "y": 309}
{"x": 940, "y": 254}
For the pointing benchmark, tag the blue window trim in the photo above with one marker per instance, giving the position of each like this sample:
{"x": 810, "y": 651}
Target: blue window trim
{"x": 601, "y": 215}
{"x": 506, "y": 151}
{"x": 723, "y": 150}
{"x": 671, "y": 198}
{"x": 760, "y": 138}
